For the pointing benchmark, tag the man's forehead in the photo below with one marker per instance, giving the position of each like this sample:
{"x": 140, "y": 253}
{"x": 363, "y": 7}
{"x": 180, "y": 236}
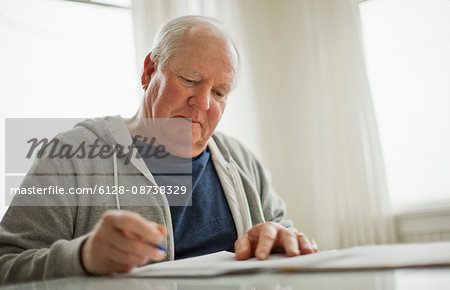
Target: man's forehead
{"x": 210, "y": 38}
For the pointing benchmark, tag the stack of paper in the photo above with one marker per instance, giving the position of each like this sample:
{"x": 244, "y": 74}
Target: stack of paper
{"x": 365, "y": 257}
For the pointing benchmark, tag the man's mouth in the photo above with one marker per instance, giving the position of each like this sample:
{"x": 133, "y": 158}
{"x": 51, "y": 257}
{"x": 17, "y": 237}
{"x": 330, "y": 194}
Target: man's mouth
{"x": 188, "y": 119}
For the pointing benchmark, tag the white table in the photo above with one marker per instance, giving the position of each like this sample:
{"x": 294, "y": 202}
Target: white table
{"x": 398, "y": 279}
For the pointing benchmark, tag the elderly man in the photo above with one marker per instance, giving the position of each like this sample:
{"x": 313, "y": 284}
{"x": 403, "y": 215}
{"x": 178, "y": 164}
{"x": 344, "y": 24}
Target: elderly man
{"x": 187, "y": 77}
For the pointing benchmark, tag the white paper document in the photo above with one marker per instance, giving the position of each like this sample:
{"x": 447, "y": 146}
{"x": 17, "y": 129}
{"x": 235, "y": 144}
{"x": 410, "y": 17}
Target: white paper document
{"x": 364, "y": 257}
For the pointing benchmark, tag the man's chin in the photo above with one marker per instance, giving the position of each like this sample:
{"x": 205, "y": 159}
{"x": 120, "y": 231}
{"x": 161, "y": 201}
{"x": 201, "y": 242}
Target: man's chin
{"x": 184, "y": 142}
{"x": 181, "y": 149}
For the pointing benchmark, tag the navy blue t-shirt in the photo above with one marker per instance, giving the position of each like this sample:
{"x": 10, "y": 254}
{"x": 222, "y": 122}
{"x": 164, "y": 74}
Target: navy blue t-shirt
{"x": 207, "y": 225}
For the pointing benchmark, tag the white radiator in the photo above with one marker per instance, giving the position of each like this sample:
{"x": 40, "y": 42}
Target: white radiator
{"x": 423, "y": 226}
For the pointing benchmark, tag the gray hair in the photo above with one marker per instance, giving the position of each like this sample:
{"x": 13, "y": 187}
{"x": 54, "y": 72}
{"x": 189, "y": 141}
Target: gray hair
{"x": 169, "y": 38}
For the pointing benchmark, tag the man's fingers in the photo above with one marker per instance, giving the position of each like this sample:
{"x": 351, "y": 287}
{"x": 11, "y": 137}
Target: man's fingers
{"x": 121, "y": 241}
{"x": 288, "y": 240}
{"x": 136, "y": 245}
{"x": 121, "y": 257}
{"x": 314, "y": 245}
{"x": 263, "y": 239}
{"x": 243, "y": 248}
{"x": 135, "y": 224}
{"x": 266, "y": 239}
{"x": 305, "y": 245}
{"x": 131, "y": 244}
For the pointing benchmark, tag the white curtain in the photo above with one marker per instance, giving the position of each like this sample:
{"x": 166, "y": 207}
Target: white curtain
{"x": 305, "y": 104}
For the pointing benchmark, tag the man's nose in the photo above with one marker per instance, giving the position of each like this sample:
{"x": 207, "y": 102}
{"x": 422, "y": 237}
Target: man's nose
{"x": 201, "y": 99}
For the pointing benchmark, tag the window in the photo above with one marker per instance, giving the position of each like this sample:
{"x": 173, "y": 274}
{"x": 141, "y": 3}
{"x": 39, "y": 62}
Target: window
{"x": 407, "y": 45}
{"x": 66, "y": 59}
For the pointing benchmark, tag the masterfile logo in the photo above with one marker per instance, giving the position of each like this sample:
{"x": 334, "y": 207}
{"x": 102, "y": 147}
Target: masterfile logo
{"x": 94, "y": 150}
{"x": 94, "y": 160}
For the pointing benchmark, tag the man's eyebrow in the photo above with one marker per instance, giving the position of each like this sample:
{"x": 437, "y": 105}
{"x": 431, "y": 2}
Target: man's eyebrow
{"x": 182, "y": 71}
{"x": 225, "y": 87}
{"x": 195, "y": 74}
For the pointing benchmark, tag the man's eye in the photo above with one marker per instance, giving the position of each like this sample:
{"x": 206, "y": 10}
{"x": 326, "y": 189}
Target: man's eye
{"x": 219, "y": 93}
{"x": 188, "y": 81}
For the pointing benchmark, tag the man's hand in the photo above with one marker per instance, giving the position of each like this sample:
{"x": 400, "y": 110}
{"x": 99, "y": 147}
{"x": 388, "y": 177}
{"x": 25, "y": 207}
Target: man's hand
{"x": 120, "y": 241}
{"x": 263, "y": 239}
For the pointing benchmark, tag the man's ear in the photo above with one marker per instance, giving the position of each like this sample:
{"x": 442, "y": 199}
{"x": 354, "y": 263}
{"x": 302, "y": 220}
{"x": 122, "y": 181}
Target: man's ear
{"x": 149, "y": 68}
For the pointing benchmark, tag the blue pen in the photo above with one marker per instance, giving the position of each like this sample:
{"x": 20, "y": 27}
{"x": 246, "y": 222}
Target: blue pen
{"x": 160, "y": 247}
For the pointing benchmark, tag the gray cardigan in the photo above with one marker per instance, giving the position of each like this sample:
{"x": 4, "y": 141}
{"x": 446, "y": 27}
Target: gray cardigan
{"x": 43, "y": 242}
